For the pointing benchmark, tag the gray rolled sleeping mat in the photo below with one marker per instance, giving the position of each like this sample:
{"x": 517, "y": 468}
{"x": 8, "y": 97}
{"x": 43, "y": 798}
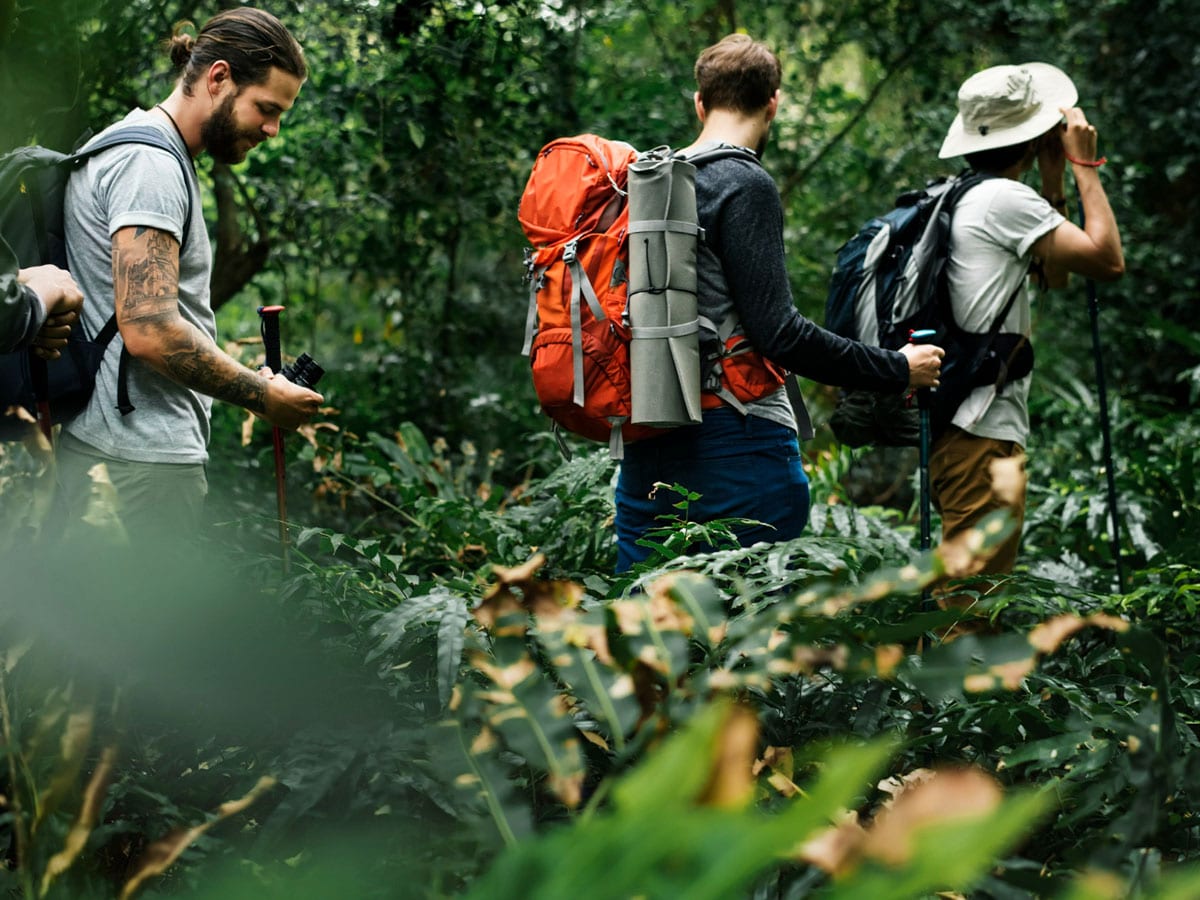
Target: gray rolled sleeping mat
{"x": 664, "y": 350}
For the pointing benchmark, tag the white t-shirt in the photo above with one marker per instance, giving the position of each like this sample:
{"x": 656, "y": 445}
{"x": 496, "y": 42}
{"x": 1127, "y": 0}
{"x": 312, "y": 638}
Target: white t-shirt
{"x": 995, "y": 225}
{"x": 130, "y": 185}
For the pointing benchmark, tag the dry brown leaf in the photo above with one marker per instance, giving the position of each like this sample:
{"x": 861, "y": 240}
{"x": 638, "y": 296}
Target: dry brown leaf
{"x": 1008, "y": 675}
{"x": 497, "y": 606}
{"x": 85, "y": 821}
{"x": 484, "y": 741}
{"x": 593, "y": 637}
{"x": 592, "y": 738}
{"x": 779, "y": 761}
{"x": 895, "y": 785}
{"x": 73, "y": 745}
{"x": 162, "y": 854}
{"x": 505, "y": 575}
{"x": 1008, "y": 479}
{"x": 1112, "y": 623}
{"x": 553, "y": 603}
{"x": 248, "y": 428}
{"x": 887, "y": 658}
{"x": 835, "y": 850}
{"x": 1049, "y": 635}
{"x": 506, "y": 677}
{"x": 630, "y": 616}
{"x": 1046, "y": 637}
{"x": 949, "y": 795}
{"x": 806, "y": 659}
{"x": 665, "y": 612}
{"x": 568, "y": 788}
{"x": 961, "y": 555}
{"x": 731, "y": 778}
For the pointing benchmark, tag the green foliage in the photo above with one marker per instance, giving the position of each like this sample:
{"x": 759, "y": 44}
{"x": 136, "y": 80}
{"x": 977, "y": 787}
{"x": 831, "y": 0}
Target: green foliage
{"x": 442, "y": 716}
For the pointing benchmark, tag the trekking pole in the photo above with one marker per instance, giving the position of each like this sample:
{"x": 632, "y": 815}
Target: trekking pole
{"x": 924, "y": 401}
{"x": 1106, "y": 433}
{"x": 269, "y": 316}
{"x": 1105, "y": 427}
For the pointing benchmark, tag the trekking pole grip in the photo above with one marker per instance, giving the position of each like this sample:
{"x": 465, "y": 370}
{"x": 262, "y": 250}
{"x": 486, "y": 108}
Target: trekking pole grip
{"x": 269, "y": 316}
{"x": 923, "y": 336}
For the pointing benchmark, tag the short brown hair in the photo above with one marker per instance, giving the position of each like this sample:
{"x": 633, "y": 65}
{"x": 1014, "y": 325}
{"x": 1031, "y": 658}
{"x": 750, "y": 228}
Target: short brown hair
{"x": 253, "y": 42}
{"x": 737, "y": 73}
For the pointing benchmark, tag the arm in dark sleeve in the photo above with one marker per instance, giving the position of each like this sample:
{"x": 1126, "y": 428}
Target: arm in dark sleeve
{"x": 21, "y": 311}
{"x": 752, "y": 255}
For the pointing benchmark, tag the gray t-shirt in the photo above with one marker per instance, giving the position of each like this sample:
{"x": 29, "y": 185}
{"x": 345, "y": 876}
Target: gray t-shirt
{"x": 139, "y": 185}
{"x": 992, "y": 234}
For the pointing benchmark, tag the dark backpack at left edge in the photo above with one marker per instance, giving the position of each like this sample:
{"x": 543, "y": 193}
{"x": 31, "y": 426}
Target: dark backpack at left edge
{"x": 33, "y": 182}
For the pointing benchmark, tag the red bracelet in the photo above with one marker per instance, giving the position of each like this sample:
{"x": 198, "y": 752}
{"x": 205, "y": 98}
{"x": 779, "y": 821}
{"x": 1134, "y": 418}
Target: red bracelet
{"x": 1094, "y": 164}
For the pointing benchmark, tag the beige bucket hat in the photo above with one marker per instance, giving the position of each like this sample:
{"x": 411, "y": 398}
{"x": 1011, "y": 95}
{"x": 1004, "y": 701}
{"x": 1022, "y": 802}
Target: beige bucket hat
{"x": 1005, "y": 105}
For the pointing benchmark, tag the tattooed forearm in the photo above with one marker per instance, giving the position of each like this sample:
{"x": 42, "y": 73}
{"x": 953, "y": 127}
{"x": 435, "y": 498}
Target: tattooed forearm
{"x": 146, "y": 291}
{"x": 202, "y": 367}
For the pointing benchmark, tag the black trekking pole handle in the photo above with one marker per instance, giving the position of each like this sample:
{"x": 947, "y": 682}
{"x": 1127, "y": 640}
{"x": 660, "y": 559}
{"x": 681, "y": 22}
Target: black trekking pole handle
{"x": 273, "y": 357}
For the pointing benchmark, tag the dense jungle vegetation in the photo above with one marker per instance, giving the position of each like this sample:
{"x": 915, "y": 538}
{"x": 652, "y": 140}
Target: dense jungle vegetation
{"x": 447, "y": 692}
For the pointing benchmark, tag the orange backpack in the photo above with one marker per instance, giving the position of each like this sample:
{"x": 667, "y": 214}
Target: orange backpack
{"x": 574, "y": 212}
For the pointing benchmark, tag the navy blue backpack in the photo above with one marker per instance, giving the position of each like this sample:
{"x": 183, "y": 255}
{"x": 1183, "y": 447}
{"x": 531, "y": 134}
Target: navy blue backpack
{"x": 889, "y": 281}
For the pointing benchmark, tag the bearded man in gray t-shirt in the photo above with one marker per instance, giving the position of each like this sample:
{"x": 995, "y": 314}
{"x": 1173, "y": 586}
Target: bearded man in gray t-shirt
{"x": 134, "y": 249}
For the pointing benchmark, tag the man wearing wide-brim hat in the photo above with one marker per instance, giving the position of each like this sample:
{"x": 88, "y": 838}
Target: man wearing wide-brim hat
{"x": 1010, "y": 117}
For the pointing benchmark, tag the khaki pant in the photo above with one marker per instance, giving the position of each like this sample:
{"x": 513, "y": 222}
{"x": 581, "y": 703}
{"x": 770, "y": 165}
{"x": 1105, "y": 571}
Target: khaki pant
{"x": 151, "y": 501}
{"x": 961, "y": 483}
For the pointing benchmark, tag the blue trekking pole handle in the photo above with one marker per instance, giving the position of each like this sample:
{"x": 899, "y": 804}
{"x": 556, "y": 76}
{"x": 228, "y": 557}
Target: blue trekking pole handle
{"x": 924, "y": 336}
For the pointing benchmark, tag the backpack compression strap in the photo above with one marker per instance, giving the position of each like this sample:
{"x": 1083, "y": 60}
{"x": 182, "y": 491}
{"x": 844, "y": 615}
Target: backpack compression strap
{"x": 581, "y": 289}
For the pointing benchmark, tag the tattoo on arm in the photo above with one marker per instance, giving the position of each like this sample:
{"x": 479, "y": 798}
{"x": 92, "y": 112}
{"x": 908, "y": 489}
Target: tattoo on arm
{"x": 198, "y": 364}
{"x": 145, "y": 273}
{"x": 146, "y": 294}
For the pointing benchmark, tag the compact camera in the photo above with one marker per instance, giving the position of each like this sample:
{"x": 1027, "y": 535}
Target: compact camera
{"x": 304, "y": 371}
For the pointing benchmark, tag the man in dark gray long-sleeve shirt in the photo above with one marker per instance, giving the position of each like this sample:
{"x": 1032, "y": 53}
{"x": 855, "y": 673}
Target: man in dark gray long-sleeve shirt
{"x": 745, "y": 463}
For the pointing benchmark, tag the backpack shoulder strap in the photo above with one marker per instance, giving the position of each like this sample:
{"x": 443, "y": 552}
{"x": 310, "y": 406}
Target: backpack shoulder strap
{"x": 964, "y": 183}
{"x": 140, "y": 134}
{"x": 714, "y": 150}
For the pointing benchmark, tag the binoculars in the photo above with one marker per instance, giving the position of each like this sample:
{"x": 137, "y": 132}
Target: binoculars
{"x": 304, "y": 371}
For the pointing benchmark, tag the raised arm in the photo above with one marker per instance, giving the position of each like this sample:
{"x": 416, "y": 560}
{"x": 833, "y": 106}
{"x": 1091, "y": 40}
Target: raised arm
{"x": 146, "y": 291}
{"x": 1093, "y": 251}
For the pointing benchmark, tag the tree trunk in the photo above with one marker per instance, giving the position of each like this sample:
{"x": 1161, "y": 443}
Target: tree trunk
{"x": 238, "y": 258}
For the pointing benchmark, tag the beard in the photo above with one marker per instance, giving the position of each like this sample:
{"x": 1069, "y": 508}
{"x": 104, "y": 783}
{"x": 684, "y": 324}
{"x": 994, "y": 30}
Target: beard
{"x": 222, "y": 137}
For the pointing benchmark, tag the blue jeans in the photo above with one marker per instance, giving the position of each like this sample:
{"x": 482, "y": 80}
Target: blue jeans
{"x": 742, "y": 466}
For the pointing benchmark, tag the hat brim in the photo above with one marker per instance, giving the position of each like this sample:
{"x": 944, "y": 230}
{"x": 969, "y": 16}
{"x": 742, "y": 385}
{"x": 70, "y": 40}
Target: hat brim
{"x": 1056, "y": 91}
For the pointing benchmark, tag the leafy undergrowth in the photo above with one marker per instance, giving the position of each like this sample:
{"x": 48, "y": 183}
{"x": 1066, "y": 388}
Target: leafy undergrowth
{"x": 451, "y": 695}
